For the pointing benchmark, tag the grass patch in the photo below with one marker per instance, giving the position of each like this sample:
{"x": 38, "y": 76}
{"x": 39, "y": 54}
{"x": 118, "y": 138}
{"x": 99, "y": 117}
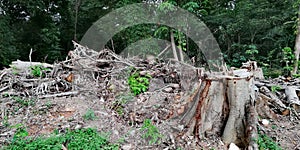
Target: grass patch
{"x": 72, "y": 140}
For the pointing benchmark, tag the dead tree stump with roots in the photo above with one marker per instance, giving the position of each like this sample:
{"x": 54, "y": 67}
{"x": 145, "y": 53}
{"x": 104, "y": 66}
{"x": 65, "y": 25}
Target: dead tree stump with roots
{"x": 223, "y": 105}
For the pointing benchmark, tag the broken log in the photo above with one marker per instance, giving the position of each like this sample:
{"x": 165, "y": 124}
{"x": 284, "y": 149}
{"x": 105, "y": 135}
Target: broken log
{"x": 292, "y": 97}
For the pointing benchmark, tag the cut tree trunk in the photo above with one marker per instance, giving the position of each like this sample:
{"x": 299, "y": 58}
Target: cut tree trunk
{"x": 218, "y": 107}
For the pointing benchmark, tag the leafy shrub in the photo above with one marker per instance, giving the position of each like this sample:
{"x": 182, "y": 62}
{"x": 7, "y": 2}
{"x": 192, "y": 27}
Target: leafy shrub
{"x": 89, "y": 115}
{"x": 152, "y": 131}
{"x": 265, "y": 142}
{"x": 137, "y": 83}
{"x": 272, "y": 73}
{"x": 38, "y": 71}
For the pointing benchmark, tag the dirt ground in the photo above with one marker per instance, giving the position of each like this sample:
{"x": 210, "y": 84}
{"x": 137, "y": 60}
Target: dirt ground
{"x": 67, "y": 113}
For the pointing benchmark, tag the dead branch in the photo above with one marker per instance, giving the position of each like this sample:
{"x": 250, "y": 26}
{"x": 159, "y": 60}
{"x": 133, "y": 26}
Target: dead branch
{"x": 72, "y": 93}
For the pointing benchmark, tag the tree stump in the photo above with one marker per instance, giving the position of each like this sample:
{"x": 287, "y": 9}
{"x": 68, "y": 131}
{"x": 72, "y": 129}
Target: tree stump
{"x": 222, "y": 105}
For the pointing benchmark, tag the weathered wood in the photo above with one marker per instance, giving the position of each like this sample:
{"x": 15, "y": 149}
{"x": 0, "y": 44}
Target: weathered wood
{"x": 72, "y": 93}
{"x": 21, "y": 65}
{"x": 292, "y": 96}
{"x": 238, "y": 96}
{"x": 251, "y": 130}
{"x": 218, "y": 107}
{"x": 273, "y": 98}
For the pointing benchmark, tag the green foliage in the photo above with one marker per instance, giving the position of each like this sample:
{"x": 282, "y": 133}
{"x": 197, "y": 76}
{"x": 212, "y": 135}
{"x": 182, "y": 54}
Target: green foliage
{"x": 24, "y": 102}
{"x": 191, "y": 7}
{"x": 251, "y": 51}
{"x": 265, "y": 24}
{"x": 264, "y": 142}
{"x": 275, "y": 88}
{"x": 38, "y": 71}
{"x": 121, "y": 100}
{"x": 243, "y": 29}
{"x": 5, "y": 121}
{"x": 48, "y": 104}
{"x": 14, "y": 69}
{"x": 296, "y": 75}
{"x": 288, "y": 58}
{"x": 167, "y": 6}
{"x": 272, "y": 73}
{"x": 8, "y": 50}
{"x": 89, "y": 115}
{"x": 152, "y": 132}
{"x": 77, "y": 139}
{"x": 137, "y": 83}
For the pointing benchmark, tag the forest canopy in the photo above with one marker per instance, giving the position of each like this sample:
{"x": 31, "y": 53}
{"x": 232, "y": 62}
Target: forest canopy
{"x": 260, "y": 30}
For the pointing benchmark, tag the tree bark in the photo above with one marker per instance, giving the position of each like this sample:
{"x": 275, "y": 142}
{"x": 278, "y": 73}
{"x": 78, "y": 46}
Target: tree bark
{"x": 297, "y": 45}
{"x": 218, "y": 107}
{"x": 174, "y": 46}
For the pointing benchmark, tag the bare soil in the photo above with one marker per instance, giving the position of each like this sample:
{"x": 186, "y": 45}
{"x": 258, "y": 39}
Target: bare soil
{"x": 124, "y": 127}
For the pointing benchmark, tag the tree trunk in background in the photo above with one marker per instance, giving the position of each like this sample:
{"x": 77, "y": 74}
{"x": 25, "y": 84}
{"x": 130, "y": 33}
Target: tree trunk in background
{"x": 174, "y": 46}
{"x": 297, "y": 45}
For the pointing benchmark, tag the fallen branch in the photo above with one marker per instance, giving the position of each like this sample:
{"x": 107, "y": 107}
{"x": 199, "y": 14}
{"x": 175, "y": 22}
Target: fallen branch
{"x": 72, "y": 93}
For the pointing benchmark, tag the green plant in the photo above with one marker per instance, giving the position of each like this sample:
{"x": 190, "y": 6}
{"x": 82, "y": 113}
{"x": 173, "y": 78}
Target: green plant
{"x": 275, "y": 88}
{"x": 288, "y": 58}
{"x": 121, "y": 100}
{"x": 296, "y": 75}
{"x": 5, "y": 121}
{"x": 137, "y": 83}
{"x": 14, "y": 69}
{"x": 266, "y": 143}
{"x": 251, "y": 51}
{"x": 152, "y": 132}
{"x": 20, "y": 133}
{"x": 48, "y": 104}
{"x": 38, "y": 71}
{"x": 89, "y": 115}
{"x": 24, "y": 102}
{"x": 76, "y": 139}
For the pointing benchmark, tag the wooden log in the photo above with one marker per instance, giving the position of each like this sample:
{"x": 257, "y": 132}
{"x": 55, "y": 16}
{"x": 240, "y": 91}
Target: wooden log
{"x": 292, "y": 97}
{"x": 273, "y": 98}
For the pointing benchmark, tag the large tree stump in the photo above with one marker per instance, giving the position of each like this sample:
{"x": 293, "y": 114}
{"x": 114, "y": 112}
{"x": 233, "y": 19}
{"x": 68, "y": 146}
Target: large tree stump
{"x": 218, "y": 106}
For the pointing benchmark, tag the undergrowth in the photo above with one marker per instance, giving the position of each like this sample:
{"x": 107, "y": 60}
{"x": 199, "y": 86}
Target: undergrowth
{"x": 72, "y": 140}
{"x": 137, "y": 83}
{"x": 151, "y": 133}
{"x": 266, "y": 143}
{"x": 39, "y": 71}
{"x": 89, "y": 115}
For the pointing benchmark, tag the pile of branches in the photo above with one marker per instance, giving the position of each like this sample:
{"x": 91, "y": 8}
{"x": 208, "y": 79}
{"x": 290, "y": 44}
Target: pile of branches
{"x": 279, "y": 96}
{"x": 83, "y": 71}
{"x": 65, "y": 78}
